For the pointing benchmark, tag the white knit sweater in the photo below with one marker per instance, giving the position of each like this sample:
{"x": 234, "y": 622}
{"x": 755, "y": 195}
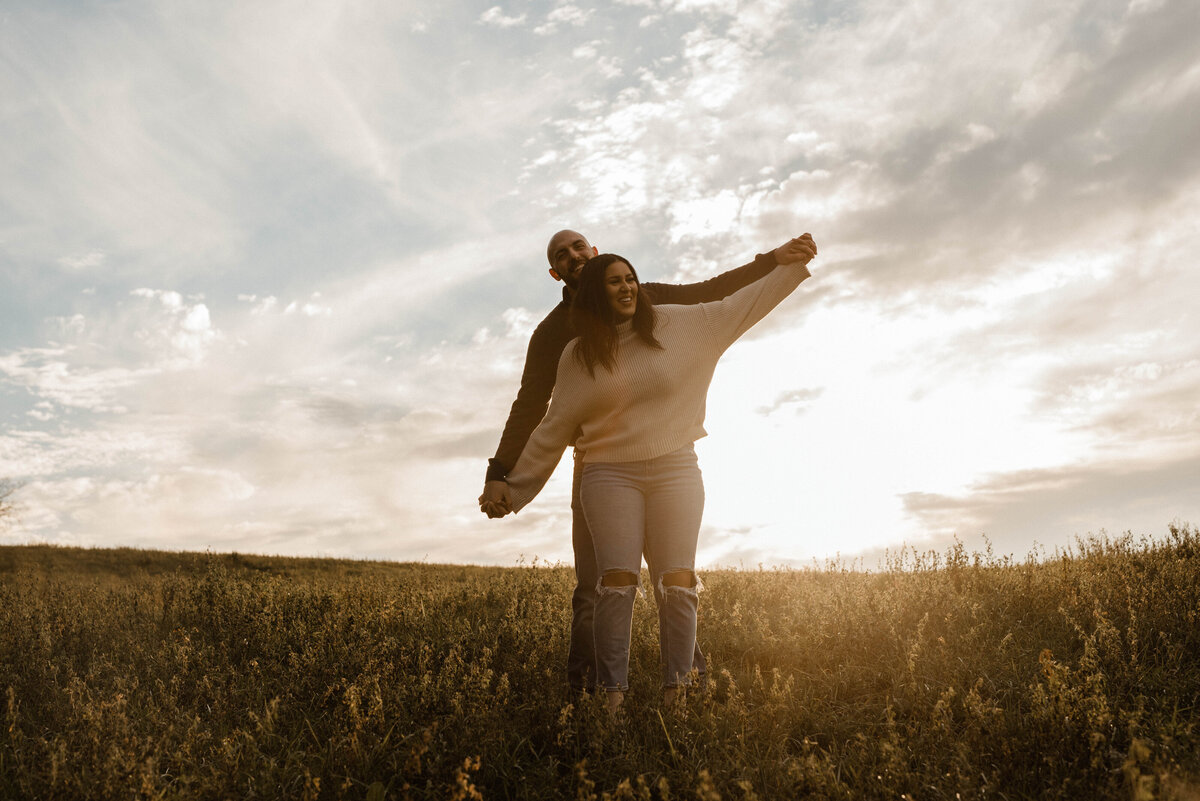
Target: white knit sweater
{"x": 652, "y": 402}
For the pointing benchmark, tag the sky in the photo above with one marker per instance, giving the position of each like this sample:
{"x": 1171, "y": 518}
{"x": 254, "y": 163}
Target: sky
{"x": 267, "y": 276}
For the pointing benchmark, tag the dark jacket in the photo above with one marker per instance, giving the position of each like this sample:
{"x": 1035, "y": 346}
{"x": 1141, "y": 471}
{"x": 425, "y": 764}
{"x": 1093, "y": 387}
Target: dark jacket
{"x": 554, "y": 332}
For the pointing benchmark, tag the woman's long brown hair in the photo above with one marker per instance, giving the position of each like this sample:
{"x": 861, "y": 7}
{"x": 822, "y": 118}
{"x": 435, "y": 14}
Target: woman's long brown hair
{"x": 594, "y": 321}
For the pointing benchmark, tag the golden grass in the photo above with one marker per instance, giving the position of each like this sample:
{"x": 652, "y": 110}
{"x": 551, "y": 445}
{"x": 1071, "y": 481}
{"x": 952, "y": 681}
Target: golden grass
{"x": 138, "y": 674}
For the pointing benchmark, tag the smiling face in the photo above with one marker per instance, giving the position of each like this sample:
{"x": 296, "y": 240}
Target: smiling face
{"x": 567, "y": 252}
{"x": 621, "y": 286}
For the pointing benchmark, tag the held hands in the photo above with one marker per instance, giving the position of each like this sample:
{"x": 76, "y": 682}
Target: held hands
{"x": 495, "y": 502}
{"x": 800, "y": 250}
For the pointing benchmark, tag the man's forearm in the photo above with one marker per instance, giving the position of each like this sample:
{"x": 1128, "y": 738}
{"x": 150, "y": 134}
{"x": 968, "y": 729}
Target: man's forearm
{"x": 717, "y": 287}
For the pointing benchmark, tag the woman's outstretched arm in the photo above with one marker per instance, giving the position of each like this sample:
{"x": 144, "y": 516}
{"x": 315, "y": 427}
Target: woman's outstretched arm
{"x": 728, "y": 319}
{"x": 552, "y": 436}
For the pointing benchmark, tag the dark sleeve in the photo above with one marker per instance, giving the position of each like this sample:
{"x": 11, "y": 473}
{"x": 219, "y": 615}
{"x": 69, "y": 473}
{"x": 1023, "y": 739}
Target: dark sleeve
{"x": 537, "y": 383}
{"x": 716, "y": 288}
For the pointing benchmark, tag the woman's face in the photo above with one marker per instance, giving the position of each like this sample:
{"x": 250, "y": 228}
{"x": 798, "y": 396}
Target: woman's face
{"x": 622, "y": 289}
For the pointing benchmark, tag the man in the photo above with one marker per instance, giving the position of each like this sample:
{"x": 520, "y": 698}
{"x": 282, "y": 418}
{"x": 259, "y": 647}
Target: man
{"x": 567, "y": 252}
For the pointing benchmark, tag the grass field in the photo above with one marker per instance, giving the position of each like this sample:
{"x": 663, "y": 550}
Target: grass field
{"x": 136, "y": 674}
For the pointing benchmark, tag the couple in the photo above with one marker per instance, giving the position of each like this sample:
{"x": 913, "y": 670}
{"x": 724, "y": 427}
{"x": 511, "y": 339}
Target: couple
{"x": 629, "y": 365}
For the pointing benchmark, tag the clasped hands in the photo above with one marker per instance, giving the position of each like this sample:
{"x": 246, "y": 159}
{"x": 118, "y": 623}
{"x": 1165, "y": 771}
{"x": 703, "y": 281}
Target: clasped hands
{"x": 800, "y": 250}
{"x": 495, "y": 501}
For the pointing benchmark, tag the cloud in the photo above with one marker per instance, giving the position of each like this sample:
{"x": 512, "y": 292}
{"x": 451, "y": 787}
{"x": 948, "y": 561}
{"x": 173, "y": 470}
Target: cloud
{"x": 1054, "y": 505}
{"x": 496, "y": 16}
{"x": 188, "y": 329}
{"x": 797, "y": 399}
{"x": 739, "y": 547}
{"x": 922, "y": 186}
{"x": 84, "y": 262}
{"x": 725, "y": 7}
{"x": 48, "y": 375}
{"x": 567, "y": 14}
{"x": 312, "y": 308}
{"x": 299, "y": 427}
{"x": 171, "y": 144}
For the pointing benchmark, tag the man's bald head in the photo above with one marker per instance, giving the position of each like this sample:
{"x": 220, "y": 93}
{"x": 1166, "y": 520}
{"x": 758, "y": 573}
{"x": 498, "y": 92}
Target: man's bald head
{"x": 567, "y": 252}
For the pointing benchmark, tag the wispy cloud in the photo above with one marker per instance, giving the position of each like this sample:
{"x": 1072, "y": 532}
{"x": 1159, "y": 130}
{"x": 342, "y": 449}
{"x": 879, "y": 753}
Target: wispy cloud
{"x": 794, "y": 399}
{"x": 1051, "y": 507}
{"x": 496, "y": 16}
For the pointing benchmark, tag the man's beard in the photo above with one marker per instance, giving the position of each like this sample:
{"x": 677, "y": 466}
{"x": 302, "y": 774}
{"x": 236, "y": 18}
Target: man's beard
{"x": 571, "y": 279}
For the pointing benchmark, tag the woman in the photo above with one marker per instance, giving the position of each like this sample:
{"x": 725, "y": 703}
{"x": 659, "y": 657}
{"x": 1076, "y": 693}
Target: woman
{"x": 634, "y": 383}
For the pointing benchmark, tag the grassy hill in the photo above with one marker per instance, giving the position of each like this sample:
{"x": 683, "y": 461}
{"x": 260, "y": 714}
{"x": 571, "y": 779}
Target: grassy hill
{"x": 139, "y": 674}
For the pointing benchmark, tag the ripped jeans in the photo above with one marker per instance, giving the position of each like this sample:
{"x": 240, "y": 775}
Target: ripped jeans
{"x": 652, "y": 507}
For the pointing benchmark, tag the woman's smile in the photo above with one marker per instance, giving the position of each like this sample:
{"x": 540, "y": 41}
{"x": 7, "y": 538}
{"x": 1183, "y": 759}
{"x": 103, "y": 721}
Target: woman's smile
{"x": 622, "y": 290}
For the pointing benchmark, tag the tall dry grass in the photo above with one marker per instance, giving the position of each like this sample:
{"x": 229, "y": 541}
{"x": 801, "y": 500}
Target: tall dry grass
{"x": 132, "y": 674}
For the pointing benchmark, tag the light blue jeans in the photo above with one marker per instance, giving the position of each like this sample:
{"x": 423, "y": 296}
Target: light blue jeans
{"x": 652, "y": 507}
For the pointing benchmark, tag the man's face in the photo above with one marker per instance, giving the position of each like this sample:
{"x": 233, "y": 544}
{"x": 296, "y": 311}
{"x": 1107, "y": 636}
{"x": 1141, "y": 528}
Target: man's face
{"x": 568, "y": 251}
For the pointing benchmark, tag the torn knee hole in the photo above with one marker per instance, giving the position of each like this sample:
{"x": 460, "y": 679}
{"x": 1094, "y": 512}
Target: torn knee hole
{"x": 679, "y": 578}
{"x": 619, "y": 579}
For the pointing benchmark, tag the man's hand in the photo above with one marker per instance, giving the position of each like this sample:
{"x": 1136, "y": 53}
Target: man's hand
{"x": 800, "y": 250}
{"x": 495, "y": 502}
